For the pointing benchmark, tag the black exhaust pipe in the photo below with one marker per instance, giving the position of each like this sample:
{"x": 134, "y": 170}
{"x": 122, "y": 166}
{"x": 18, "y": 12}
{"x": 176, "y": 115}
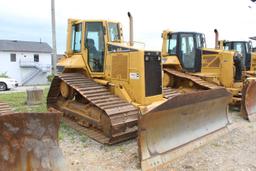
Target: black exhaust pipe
{"x": 131, "y": 28}
{"x": 216, "y": 39}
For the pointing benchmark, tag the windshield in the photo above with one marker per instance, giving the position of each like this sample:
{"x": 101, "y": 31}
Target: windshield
{"x": 184, "y": 38}
{"x": 238, "y": 46}
{"x": 241, "y": 47}
{"x": 114, "y": 34}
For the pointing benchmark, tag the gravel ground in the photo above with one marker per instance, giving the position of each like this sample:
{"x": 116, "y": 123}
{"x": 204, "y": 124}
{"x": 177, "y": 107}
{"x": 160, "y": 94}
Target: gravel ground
{"x": 234, "y": 151}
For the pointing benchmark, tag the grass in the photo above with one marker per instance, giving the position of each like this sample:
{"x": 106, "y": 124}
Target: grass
{"x": 65, "y": 130}
{"x": 17, "y": 101}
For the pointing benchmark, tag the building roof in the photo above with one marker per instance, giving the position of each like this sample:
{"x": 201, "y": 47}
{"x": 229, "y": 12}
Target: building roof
{"x": 24, "y": 46}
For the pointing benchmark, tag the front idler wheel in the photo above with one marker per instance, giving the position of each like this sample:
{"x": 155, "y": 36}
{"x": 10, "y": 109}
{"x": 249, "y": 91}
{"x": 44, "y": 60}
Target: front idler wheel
{"x": 66, "y": 91}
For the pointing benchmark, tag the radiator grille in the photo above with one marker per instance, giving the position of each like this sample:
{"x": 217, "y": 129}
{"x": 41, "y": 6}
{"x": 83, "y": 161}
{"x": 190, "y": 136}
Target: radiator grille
{"x": 119, "y": 66}
{"x": 153, "y": 73}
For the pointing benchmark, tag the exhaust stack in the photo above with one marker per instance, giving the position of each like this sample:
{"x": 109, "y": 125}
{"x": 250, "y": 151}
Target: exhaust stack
{"x": 216, "y": 38}
{"x": 131, "y": 28}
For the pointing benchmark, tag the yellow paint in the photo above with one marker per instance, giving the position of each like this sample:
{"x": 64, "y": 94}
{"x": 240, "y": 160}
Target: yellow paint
{"x": 225, "y": 71}
{"x": 76, "y": 61}
{"x": 253, "y": 61}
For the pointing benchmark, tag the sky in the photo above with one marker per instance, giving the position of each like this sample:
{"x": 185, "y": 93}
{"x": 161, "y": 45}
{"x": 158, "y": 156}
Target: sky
{"x": 30, "y": 20}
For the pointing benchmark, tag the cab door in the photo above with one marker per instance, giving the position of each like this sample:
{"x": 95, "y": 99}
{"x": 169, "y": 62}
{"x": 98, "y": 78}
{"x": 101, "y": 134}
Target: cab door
{"x": 187, "y": 51}
{"x": 95, "y": 44}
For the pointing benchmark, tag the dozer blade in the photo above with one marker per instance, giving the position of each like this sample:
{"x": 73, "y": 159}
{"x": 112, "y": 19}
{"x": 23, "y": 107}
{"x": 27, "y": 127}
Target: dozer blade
{"x": 29, "y": 141}
{"x": 249, "y": 99}
{"x": 178, "y": 121}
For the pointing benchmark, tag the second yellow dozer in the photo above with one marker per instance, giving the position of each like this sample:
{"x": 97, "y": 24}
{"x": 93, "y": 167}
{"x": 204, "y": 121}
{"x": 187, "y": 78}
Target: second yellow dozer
{"x": 112, "y": 91}
{"x": 187, "y": 51}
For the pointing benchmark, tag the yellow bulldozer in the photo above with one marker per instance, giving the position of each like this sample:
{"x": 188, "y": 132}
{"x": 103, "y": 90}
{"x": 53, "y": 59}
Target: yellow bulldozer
{"x": 221, "y": 65}
{"x": 112, "y": 91}
{"x": 29, "y": 141}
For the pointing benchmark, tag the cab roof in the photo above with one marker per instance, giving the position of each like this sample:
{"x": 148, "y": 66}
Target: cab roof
{"x": 186, "y": 32}
{"x": 106, "y": 21}
{"x": 236, "y": 41}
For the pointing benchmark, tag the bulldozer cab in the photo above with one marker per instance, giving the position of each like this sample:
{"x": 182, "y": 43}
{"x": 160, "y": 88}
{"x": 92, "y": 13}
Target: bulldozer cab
{"x": 187, "y": 47}
{"x": 244, "y": 48}
{"x": 90, "y": 39}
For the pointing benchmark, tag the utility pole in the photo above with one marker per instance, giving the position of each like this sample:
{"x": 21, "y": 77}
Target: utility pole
{"x": 54, "y": 50}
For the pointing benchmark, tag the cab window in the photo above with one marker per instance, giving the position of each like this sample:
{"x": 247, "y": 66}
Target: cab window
{"x": 203, "y": 41}
{"x": 172, "y": 44}
{"x": 240, "y": 47}
{"x": 113, "y": 30}
{"x": 94, "y": 42}
{"x": 188, "y": 53}
{"x": 247, "y": 47}
{"x": 227, "y": 46}
{"x": 76, "y": 37}
{"x": 198, "y": 41}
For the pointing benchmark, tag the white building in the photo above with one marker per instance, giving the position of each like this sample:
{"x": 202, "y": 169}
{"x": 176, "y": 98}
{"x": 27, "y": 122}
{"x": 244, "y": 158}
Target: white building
{"x": 27, "y": 62}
